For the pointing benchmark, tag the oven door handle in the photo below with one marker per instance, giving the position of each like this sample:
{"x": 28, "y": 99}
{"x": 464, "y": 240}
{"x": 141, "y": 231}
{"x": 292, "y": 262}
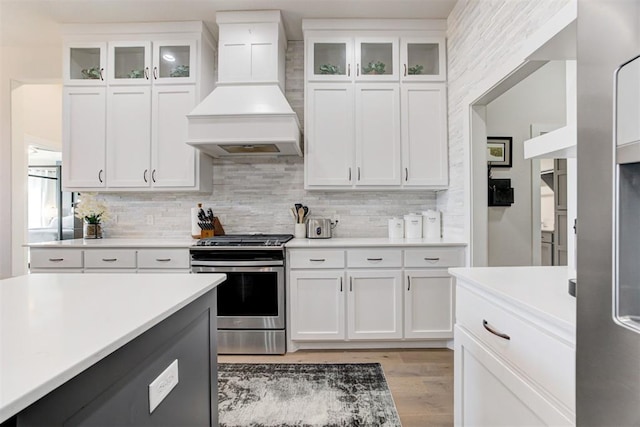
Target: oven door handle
{"x": 236, "y": 263}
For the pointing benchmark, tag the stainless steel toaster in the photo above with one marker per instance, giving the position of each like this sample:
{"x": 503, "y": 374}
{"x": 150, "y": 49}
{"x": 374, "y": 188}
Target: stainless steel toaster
{"x": 319, "y": 228}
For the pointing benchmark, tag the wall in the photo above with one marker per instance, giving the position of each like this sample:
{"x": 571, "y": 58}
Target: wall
{"x": 252, "y": 195}
{"x": 481, "y": 35}
{"x": 540, "y": 98}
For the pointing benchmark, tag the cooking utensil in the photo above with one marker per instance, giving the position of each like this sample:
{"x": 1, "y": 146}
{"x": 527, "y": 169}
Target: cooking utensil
{"x": 293, "y": 214}
{"x": 306, "y": 213}
{"x": 300, "y": 215}
{"x": 210, "y": 215}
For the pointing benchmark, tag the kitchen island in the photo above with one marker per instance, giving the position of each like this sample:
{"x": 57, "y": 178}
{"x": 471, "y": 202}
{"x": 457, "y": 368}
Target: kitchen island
{"x": 515, "y": 340}
{"x": 79, "y": 349}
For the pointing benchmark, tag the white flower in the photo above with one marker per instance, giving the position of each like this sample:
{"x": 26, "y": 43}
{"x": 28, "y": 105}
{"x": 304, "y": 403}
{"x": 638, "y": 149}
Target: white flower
{"x": 91, "y": 210}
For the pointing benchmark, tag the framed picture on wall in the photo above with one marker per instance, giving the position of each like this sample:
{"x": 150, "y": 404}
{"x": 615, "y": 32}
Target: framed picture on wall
{"x": 499, "y": 151}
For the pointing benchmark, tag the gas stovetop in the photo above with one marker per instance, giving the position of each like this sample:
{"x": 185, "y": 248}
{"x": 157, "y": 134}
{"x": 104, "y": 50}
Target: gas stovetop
{"x": 253, "y": 240}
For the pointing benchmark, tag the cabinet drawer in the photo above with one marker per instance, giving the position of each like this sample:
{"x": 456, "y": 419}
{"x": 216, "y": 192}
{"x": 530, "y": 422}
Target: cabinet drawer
{"x": 540, "y": 356}
{"x": 374, "y": 258}
{"x": 163, "y": 258}
{"x": 317, "y": 258}
{"x": 110, "y": 258}
{"x": 434, "y": 257}
{"x": 55, "y": 258}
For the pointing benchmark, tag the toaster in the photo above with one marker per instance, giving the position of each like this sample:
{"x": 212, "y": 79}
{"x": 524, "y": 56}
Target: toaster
{"x": 319, "y": 228}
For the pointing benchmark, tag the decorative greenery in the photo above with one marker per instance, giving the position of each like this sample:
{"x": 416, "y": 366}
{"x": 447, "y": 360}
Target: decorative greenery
{"x": 91, "y": 210}
{"x": 329, "y": 69}
{"x": 416, "y": 70}
{"x": 180, "y": 71}
{"x": 91, "y": 73}
{"x": 374, "y": 67}
{"x": 136, "y": 74}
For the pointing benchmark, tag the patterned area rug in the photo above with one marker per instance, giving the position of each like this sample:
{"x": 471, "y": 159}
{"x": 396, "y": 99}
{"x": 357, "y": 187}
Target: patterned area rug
{"x": 304, "y": 395}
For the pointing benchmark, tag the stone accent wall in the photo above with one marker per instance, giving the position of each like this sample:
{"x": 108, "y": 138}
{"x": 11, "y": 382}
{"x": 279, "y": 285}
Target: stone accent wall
{"x": 255, "y": 194}
{"x": 480, "y": 35}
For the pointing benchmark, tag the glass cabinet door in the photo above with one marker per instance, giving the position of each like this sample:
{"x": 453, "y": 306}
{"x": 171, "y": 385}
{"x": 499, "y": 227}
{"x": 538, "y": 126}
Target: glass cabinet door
{"x": 423, "y": 59}
{"x": 84, "y": 63}
{"x": 376, "y": 59}
{"x": 330, "y": 59}
{"x": 174, "y": 62}
{"x": 129, "y": 63}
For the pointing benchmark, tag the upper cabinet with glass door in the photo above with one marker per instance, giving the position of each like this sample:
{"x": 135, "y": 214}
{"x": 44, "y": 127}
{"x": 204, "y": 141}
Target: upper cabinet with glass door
{"x": 84, "y": 64}
{"x": 129, "y": 63}
{"x": 423, "y": 59}
{"x": 331, "y": 59}
{"x": 174, "y": 62}
{"x": 376, "y": 59}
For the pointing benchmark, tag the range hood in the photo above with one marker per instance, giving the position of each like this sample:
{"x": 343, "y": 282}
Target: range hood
{"x": 247, "y": 113}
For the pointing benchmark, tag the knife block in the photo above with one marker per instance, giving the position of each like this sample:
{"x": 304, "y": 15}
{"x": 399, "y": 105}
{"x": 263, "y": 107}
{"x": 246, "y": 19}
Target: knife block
{"x": 206, "y": 233}
{"x": 217, "y": 229}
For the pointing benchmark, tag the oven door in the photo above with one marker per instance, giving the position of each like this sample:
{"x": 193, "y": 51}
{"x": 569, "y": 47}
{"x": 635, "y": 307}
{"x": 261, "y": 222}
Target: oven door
{"x": 250, "y": 298}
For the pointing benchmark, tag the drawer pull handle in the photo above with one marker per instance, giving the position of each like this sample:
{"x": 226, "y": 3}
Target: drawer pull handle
{"x": 493, "y": 331}
{"x": 408, "y": 283}
{"x": 316, "y": 259}
{"x": 163, "y": 259}
{"x": 374, "y": 259}
{"x": 109, "y": 259}
{"x": 56, "y": 259}
{"x": 432, "y": 259}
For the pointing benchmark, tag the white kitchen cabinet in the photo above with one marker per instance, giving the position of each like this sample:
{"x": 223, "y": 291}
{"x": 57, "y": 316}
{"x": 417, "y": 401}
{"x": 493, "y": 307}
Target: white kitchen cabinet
{"x": 374, "y": 304}
{"x": 83, "y": 63}
{"x": 428, "y": 304}
{"x": 424, "y": 135}
{"x": 423, "y": 59}
{"x": 377, "y": 134}
{"x": 376, "y": 58}
{"x": 330, "y": 59}
{"x": 151, "y": 84}
{"x": 84, "y": 137}
{"x": 104, "y": 259}
{"x": 317, "y": 305}
{"x": 330, "y": 151}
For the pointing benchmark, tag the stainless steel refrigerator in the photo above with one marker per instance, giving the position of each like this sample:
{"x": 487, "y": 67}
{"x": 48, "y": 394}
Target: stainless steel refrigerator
{"x": 608, "y": 231}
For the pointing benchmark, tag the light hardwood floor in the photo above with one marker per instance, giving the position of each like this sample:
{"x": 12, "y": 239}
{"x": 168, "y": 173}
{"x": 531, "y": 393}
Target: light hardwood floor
{"x": 421, "y": 381}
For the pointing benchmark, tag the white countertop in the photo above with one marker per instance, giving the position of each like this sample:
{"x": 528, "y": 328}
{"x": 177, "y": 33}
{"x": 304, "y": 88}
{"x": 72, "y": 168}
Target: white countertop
{"x": 116, "y": 243}
{"x": 367, "y": 241}
{"x": 541, "y": 291}
{"x": 54, "y": 326}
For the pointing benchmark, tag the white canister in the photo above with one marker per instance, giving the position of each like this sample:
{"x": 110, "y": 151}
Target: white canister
{"x": 413, "y": 226}
{"x": 396, "y": 228}
{"x": 431, "y": 225}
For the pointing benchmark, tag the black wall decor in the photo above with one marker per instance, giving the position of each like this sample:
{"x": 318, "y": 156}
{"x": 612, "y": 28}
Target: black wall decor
{"x": 500, "y": 192}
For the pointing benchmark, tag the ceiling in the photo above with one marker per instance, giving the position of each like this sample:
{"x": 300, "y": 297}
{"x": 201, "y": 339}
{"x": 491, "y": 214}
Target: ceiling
{"x": 36, "y": 22}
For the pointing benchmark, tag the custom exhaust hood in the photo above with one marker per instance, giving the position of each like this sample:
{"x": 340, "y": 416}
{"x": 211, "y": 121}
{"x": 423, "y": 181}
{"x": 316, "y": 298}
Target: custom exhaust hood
{"x": 247, "y": 113}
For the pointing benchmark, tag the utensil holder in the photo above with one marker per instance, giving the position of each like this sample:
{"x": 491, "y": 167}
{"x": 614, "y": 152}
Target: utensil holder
{"x": 300, "y": 231}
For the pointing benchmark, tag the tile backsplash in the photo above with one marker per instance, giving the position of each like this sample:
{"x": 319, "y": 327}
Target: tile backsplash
{"x": 255, "y": 194}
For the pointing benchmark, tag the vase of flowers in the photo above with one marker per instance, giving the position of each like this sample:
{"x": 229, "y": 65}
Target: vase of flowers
{"x": 93, "y": 212}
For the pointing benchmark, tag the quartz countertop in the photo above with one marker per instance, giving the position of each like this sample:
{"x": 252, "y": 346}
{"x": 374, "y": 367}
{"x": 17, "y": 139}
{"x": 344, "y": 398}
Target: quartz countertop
{"x": 54, "y": 326}
{"x": 116, "y": 243}
{"x": 539, "y": 291}
{"x": 345, "y": 242}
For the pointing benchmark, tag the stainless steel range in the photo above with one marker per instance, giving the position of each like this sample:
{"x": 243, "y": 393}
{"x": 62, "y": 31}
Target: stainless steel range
{"x": 251, "y": 303}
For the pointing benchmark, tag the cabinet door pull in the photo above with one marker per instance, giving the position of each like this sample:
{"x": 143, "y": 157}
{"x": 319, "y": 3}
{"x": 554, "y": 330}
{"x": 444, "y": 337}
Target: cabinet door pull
{"x": 358, "y": 173}
{"x": 56, "y": 259}
{"x": 349, "y": 70}
{"x": 349, "y": 174}
{"x": 340, "y": 283}
{"x": 406, "y": 174}
{"x": 144, "y": 175}
{"x": 317, "y": 259}
{"x": 408, "y": 283}
{"x": 357, "y": 69}
{"x": 100, "y": 176}
{"x": 163, "y": 259}
{"x": 153, "y": 175}
{"x": 432, "y": 259}
{"x": 146, "y": 73}
{"x": 102, "y": 74}
{"x": 405, "y": 70}
{"x": 489, "y": 328}
{"x": 374, "y": 259}
{"x": 109, "y": 259}
{"x": 350, "y": 284}
{"x": 155, "y": 73}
